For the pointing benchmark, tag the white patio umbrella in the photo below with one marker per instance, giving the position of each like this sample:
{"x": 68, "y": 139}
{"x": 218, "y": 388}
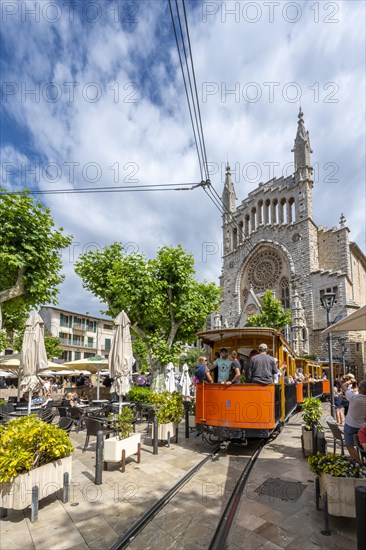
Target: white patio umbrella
{"x": 170, "y": 378}
{"x": 121, "y": 358}
{"x": 33, "y": 357}
{"x": 185, "y": 381}
{"x": 93, "y": 364}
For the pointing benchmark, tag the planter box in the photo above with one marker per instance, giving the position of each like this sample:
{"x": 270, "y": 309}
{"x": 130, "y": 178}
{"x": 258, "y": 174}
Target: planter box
{"x": 163, "y": 430}
{"x": 307, "y": 442}
{"x": 113, "y": 447}
{"x": 341, "y": 494}
{"x": 17, "y": 493}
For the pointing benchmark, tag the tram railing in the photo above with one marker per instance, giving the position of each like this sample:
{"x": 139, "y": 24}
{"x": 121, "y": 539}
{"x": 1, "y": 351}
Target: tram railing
{"x": 277, "y": 402}
{"x": 316, "y": 389}
{"x": 291, "y": 399}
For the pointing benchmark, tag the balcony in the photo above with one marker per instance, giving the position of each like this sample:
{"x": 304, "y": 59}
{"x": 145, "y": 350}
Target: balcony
{"x": 76, "y": 344}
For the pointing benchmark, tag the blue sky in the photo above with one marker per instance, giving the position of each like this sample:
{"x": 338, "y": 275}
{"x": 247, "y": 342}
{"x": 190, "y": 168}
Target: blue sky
{"x": 109, "y": 106}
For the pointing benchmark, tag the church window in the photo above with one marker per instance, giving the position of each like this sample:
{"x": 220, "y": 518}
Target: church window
{"x": 246, "y": 226}
{"x": 291, "y": 210}
{"x": 253, "y": 220}
{"x": 285, "y": 293}
{"x": 266, "y": 211}
{"x": 274, "y": 213}
{"x": 264, "y": 270}
{"x": 260, "y": 212}
{"x": 235, "y": 238}
{"x": 241, "y": 232}
{"x": 282, "y": 211}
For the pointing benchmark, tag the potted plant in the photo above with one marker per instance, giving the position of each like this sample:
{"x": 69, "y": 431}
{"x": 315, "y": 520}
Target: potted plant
{"x": 32, "y": 453}
{"x": 312, "y": 412}
{"x": 169, "y": 410}
{"x": 126, "y": 443}
{"x": 338, "y": 478}
{"x": 139, "y": 394}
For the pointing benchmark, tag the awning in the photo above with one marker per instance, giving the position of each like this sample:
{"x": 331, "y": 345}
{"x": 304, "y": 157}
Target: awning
{"x": 356, "y": 321}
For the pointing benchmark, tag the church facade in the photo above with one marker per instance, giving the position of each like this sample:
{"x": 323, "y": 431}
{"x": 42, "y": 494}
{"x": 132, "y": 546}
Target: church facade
{"x": 271, "y": 241}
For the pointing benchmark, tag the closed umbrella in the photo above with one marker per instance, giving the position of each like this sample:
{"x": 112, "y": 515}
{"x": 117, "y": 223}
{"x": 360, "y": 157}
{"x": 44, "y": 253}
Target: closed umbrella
{"x": 185, "y": 381}
{"x": 33, "y": 357}
{"x": 170, "y": 378}
{"x": 121, "y": 358}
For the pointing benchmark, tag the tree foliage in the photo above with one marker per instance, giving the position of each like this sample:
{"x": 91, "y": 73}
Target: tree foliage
{"x": 273, "y": 315}
{"x": 164, "y": 301}
{"x": 30, "y": 261}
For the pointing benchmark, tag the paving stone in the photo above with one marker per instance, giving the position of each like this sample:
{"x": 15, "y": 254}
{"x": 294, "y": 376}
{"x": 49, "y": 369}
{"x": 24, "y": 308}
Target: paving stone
{"x": 245, "y": 539}
{"x": 275, "y": 534}
{"x": 250, "y": 522}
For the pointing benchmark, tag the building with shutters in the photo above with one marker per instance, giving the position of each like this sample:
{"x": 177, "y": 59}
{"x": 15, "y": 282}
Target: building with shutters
{"x": 81, "y": 335}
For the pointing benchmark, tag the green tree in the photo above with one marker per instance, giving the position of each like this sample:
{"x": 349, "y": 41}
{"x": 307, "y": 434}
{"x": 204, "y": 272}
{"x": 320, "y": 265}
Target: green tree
{"x": 51, "y": 343}
{"x": 164, "y": 301}
{"x": 30, "y": 257}
{"x": 273, "y": 315}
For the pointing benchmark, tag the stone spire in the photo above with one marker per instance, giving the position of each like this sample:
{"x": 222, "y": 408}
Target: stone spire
{"x": 302, "y": 148}
{"x": 229, "y": 196}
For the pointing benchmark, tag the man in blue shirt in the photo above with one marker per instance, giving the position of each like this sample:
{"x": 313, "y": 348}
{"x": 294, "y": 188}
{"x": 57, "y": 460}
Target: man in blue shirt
{"x": 223, "y": 365}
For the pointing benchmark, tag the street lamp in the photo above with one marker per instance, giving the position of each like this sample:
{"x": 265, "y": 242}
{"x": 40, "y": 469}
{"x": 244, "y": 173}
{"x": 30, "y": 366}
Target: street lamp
{"x": 342, "y": 342}
{"x": 327, "y": 301}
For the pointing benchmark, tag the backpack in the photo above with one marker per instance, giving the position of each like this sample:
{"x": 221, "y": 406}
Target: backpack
{"x": 200, "y": 372}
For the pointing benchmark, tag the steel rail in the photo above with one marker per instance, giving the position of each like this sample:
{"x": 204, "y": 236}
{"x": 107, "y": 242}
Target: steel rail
{"x": 126, "y": 538}
{"x": 223, "y": 529}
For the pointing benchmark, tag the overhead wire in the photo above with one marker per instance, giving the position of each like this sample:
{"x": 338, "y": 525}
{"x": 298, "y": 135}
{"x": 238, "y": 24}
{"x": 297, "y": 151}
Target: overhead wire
{"x": 200, "y": 162}
{"x": 110, "y": 189}
{"x": 208, "y": 188}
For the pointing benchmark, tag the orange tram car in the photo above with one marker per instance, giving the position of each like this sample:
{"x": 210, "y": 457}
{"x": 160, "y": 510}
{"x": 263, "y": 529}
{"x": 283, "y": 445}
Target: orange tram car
{"x": 241, "y": 411}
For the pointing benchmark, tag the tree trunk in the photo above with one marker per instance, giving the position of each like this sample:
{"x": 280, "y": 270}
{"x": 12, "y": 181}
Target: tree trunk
{"x": 17, "y": 290}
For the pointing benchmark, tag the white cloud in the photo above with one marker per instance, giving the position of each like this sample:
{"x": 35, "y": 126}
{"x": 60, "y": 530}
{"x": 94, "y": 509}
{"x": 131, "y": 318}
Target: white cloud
{"x": 152, "y": 137}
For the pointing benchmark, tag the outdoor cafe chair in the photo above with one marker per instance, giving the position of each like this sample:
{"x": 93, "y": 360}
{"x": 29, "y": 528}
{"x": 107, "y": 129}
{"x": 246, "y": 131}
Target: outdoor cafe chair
{"x": 47, "y": 415}
{"x": 64, "y": 411}
{"x": 77, "y": 416}
{"x": 337, "y": 437}
{"x": 93, "y": 426}
{"x": 65, "y": 424}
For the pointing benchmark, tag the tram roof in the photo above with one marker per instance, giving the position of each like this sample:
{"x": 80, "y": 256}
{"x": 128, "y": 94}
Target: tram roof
{"x": 215, "y": 335}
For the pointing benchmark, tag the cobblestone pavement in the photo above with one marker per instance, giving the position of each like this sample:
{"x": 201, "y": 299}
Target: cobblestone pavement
{"x": 96, "y": 515}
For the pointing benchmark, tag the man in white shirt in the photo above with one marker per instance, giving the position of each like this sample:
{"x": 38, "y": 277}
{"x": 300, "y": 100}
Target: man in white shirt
{"x": 355, "y": 418}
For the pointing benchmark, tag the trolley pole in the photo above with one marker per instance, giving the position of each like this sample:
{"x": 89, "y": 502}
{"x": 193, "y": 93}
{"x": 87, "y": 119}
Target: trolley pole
{"x": 327, "y": 301}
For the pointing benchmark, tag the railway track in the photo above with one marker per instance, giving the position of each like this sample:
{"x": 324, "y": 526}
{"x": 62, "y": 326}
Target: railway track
{"x": 135, "y": 535}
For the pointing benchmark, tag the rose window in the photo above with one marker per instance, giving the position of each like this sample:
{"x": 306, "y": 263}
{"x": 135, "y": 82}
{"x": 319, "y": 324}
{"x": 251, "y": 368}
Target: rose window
{"x": 264, "y": 271}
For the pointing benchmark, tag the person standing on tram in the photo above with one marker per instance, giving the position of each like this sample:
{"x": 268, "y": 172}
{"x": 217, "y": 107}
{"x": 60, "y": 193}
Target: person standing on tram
{"x": 234, "y": 373}
{"x": 263, "y": 367}
{"x": 223, "y": 365}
